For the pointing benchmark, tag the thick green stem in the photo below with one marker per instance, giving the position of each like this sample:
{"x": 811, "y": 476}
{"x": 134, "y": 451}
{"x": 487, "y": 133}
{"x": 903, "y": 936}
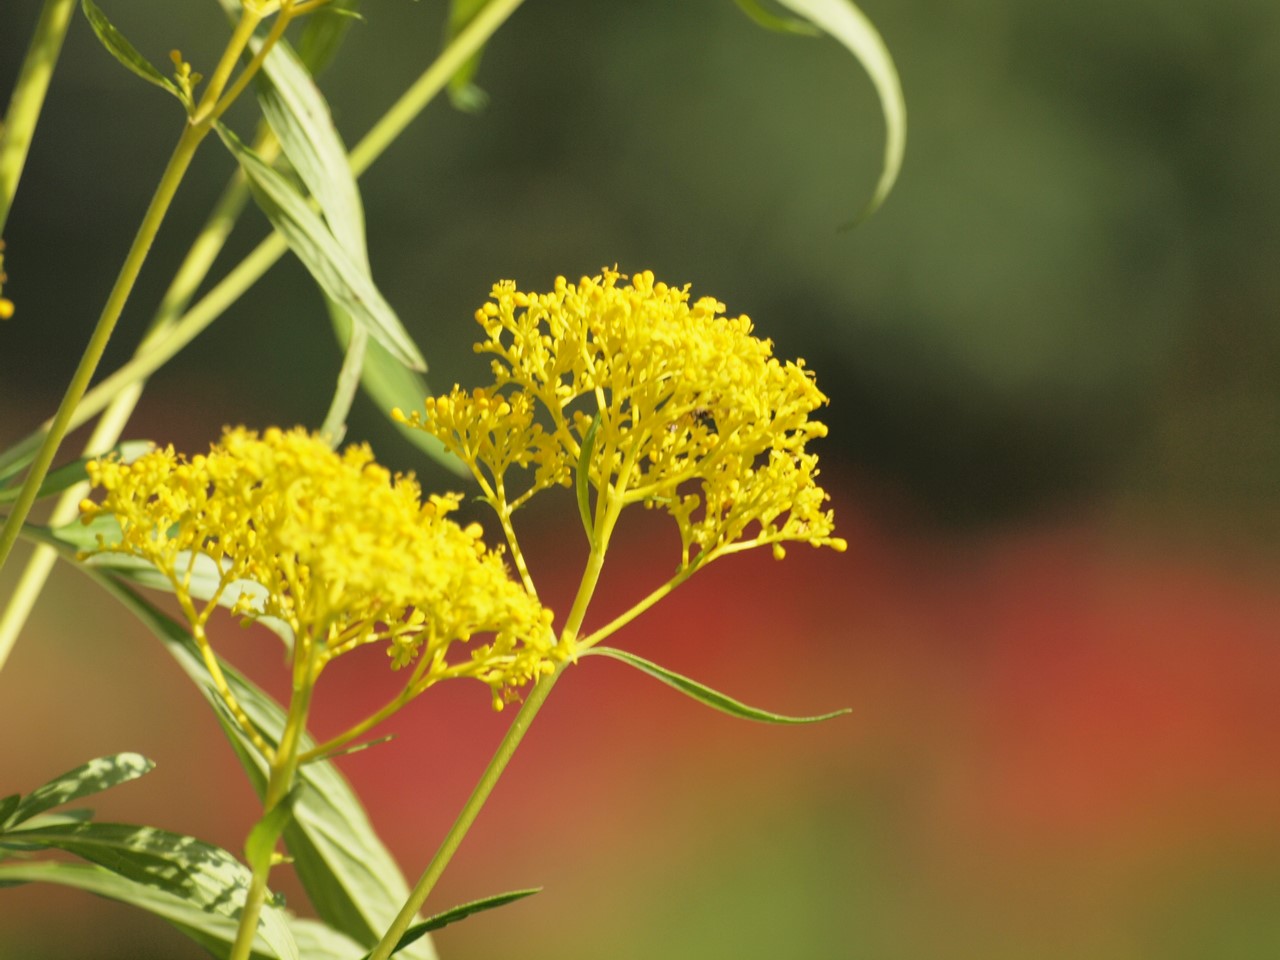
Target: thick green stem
{"x": 506, "y": 749}
{"x": 28, "y": 98}
{"x": 159, "y": 206}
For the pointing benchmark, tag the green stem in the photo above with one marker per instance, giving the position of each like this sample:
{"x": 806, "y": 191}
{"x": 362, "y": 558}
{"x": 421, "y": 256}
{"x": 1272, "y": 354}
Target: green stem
{"x": 284, "y": 770}
{"x": 501, "y": 757}
{"x": 246, "y": 273}
{"x": 28, "y": 98}
{"x": 159, "y": 206}
{"x": 335, "y": 422}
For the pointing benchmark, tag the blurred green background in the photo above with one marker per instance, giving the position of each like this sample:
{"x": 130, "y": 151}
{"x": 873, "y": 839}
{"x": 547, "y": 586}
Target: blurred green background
{"x": 1055, "y": 448}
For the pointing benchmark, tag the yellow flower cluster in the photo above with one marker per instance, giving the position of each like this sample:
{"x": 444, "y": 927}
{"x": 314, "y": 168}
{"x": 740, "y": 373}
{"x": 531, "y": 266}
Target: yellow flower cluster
{"x": 347, "y": 553}
{"x": 691, "y": 413}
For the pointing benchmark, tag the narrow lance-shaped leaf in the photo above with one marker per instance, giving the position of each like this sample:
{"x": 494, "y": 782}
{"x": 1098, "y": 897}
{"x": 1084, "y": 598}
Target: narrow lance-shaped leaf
{"x": 215, "y": 932}
{"x": 339, "y": 275}
{"x": 847, "y": 24}
{"x": 418, "y": 930}
{"x": 124, "y": 51}
{"x": 206, "y": 876}
{"x": 771, "y": 21}
{"x": 89, "y": 778}
{"x": 324, "y": 32}
{"x": 350, "y": 877}
{"x": 582, "y": 480}
{"x": 702, "y": 693}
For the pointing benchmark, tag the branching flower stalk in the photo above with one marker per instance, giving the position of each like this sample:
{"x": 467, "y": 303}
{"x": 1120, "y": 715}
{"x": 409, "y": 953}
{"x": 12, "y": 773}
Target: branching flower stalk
{"x": 647, "y": 399}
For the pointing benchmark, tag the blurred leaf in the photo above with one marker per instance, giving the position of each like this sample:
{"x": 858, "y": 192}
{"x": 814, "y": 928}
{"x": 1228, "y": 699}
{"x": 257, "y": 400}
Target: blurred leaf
{"x": 124, "y": 51}
{"x": 844, "y": 22}
{"x": 464, "y": 94}
{"x": 582, "y": 480}
{"x": 390, "y": 384}
{"x": 350, "y": 877}
{"x": 261, "y": 842}
{"x": 419, "y": 930}
{"x": 205, "y": 876}
{"x": 72, "y": 473}
{"x": 703, "y": 693}
{"x": 14, "y": 459}
{"x": 203, "y": 580}
{"x": 7, "y": 806}
{"x": 771, "y": 21}
{"x": 213, "y": 931}
{"x": 339, "y": 275}
{"x": 319, "y": 942}
{"x": 324, "y": 32}
{"x": 85, "y": 780}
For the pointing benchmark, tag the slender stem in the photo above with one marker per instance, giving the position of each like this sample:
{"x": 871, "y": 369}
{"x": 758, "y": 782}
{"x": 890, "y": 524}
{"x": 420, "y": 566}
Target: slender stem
{"x": 195, "y": 266}
{"x": 159, "y": 206}
{"x": 246, "y": 273}
{"x": 208, "y": 108}
{"x": 368, "y": 723}
{"x": 620, "y": 621}
{"x": 28, "y": 98}
{"x": 335, "y": 422}
{"x": 284, "y": 770}
{"x": 501, "y": 757}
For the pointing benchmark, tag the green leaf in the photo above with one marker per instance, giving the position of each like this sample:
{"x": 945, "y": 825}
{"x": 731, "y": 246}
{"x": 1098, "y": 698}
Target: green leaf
{"x": 7, "y": 806}
{"x": 324, "y": 32}
{"x": 844, "y": 22}
{"x": 85, "y": 780}
{"x": 319, "y": 942}
{"x": 582, "y": 480}
{"x": 205, "y": 876}
{"x": 419, "y": 930}
{"x": 124, "y": 51}
{"x": 703, "y": 693}
{"x": 261, "y": 843}
{"x": 350, "y": 877}
{"x": 213, "y": 931}
{"x": 72, "y": 473}
{"x": 463, "y": 94}
{"x": 339, "y": 275}
{"x": 203, "y": 581}
{"x": 389, "y": 385}
{"x": 16, "y": 458}
{"x": 771, "y": 21}
{"x": 299, "y": 116}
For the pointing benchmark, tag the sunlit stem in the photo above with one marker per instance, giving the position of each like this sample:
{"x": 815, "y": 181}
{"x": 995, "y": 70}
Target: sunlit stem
{"x": 28, "y": 98}
{"x": 335, "y": 422}
{"x": 620, "y": 621}
{"x": 208, "y": 107}
{"x": 195, "y": 266}
{"x": 245, "y": 274}
{"x": 159, "y": 206}
{"x": 453, "y": 839}
{"x": 283, "y": 773}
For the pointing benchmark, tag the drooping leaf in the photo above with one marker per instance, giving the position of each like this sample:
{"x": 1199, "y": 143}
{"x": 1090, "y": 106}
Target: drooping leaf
{"x": 463, "y": 93}
{"x": 702, "y": 693}
{"x": 205, "y": 876}
{"x": 124, "y": 51}
{"x": 69, "y": 475}
{"x": 350, "y": 877}
{"x": 390, "y": 384}
{"x": 339, "y": 275}
{"x": 418, "y": 930}
{"x": 93, "y": 777}
{"x": 848, "y": 25}
{"x": 213, "y": 931}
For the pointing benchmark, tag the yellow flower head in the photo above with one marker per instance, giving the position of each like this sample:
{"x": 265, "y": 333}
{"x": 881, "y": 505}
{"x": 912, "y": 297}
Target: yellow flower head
{"x": 691, "y": 412}
{"x": 347, "y": 554}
